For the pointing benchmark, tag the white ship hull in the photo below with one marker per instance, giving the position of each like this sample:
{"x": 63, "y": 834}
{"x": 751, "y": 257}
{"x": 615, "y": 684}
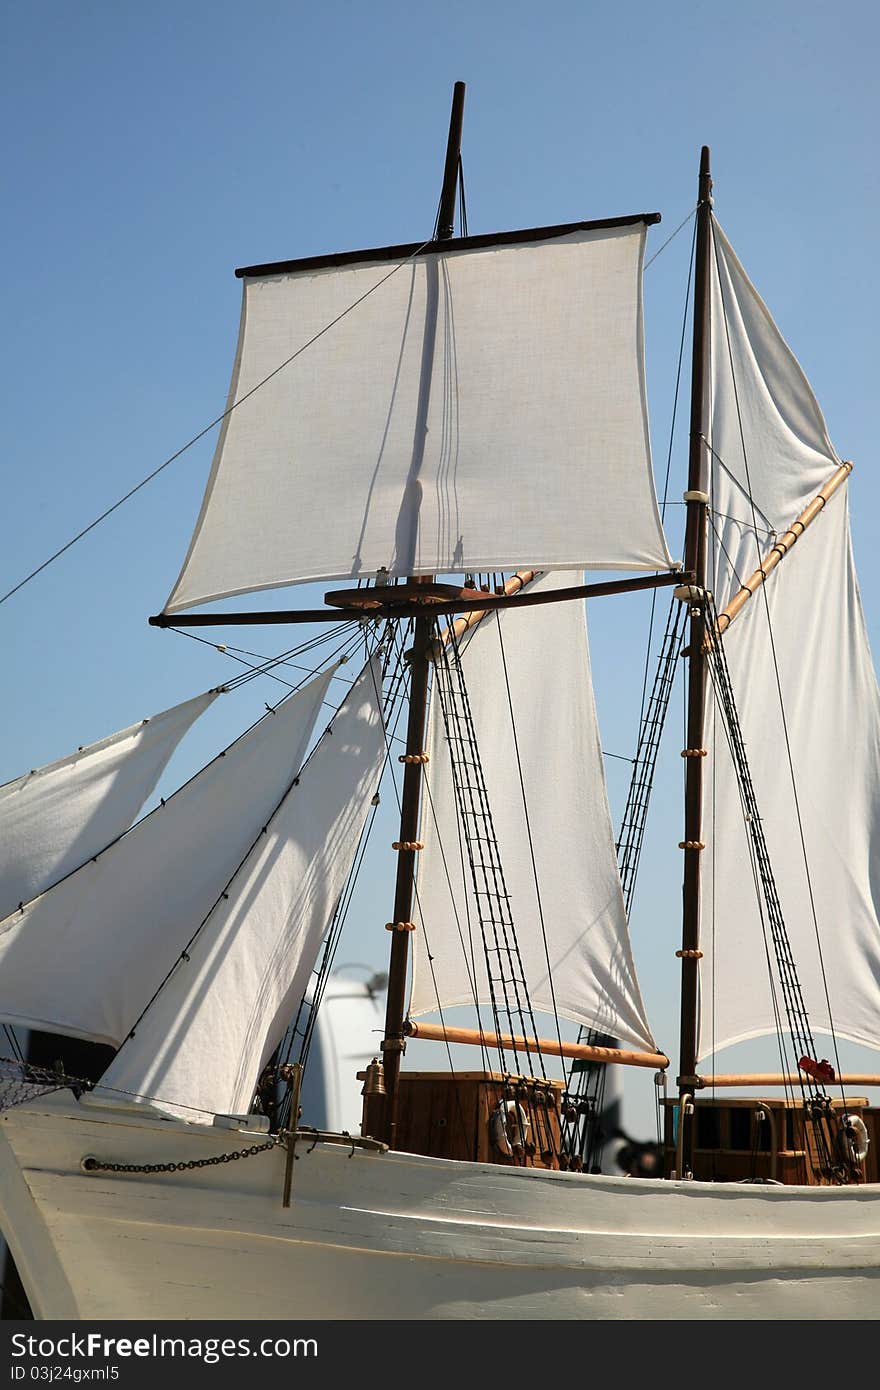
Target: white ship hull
{"x": 372, "y": 1235}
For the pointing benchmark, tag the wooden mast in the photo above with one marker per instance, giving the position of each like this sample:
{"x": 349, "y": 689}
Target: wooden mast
{"x": 697, "y": 499}
{"x": 382, "y": 1110}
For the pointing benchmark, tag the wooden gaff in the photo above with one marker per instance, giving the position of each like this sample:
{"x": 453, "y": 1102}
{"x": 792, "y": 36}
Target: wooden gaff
{"x": 771, "y": 1078}
{"x": 433, "y": 1032}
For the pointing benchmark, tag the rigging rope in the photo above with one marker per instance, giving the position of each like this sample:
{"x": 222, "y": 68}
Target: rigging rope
{"x": 216, "y": 421}
{"x": 504, "y": 967}
{"x": 632, "y": 830}
{"x": 583, "y": 1139}
{"x": 267, "y": 664}
{"x": 672, "y": 236}
{"x": 184, "y": 955}
{"x": 392, "y": 706}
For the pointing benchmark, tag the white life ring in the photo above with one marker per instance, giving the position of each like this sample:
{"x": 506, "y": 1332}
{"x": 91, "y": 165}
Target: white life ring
{"x": 510, "y": 1127}
{"x": 856, "y": 1135}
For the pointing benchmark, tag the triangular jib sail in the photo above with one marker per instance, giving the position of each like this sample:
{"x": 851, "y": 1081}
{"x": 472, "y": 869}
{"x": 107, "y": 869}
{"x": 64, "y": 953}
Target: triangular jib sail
{"x": 85, "y": 957}
{"x": 460, "y": 409}
{"x": 225, "y": 1006}
{"x": 56, "y": 817}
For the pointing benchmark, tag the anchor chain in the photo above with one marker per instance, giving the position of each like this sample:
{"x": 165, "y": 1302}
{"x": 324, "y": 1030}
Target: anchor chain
{"x": 91, "y": 1164}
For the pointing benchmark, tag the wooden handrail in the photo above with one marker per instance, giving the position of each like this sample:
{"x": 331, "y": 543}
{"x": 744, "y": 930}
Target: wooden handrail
{"x": 434, "y": 1032}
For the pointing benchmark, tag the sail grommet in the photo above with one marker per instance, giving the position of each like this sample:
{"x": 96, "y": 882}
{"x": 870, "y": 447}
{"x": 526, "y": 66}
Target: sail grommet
{"x": 691, "y": 954}
{"x": 408, "y": 844}
{"x": 400, "y": 926}
{"x": 694, "y": 752}
{"x": 414, "y": 758}
{"x": 691, "y": 844}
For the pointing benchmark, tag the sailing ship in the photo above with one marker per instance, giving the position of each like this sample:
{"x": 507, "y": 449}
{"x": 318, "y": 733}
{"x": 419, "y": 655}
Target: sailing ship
{"x": 391, "y": 426}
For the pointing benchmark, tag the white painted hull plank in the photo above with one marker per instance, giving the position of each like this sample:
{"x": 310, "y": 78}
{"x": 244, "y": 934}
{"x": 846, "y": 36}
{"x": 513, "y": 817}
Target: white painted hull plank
{"x": 400, "y": 1236}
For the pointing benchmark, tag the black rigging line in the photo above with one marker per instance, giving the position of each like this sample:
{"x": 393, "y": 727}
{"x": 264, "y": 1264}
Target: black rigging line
{"x": 720, "y": 716}
{"x": 166, "y": 801}
{"x": 723, "y": 548}
{"x": 13, "y": 1042}
{"x": 664, "y": 503}
{"x": 390, "y": 706}
{"x": 632, "y": 830}
{"x": 402, "y": 666}
{"x": 184, "y": 955}
{"x": 334, "y": 931}
{"x": 267, "y": 664}
{"x": 816, "y": 1103}
{"x": 216, "y": 421}
{"x": 683, "y": 223}
{"x": 350, "y": 633}
{"x": 586, "y": 1097}
{"x": 467, "y": 945}
{"x": 491, "y": 897}
{"x": 449, "y": 714}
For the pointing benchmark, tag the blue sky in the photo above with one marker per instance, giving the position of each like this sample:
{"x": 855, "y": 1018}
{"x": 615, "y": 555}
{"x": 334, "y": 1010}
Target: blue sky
{"x": 151, "y": 149}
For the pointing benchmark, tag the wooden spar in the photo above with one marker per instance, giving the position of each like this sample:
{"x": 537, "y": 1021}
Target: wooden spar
{"x": 394, "y": 1040}
{"x": 460, "y": 626}
{"x": 433, "y": 1032}
{"x": 782, "y": 546}
{"x": 695, "y": 560}
{"x": 364, "y": 604}
{"x": 775, "y": 1078}
{"x": 428, "y": 248}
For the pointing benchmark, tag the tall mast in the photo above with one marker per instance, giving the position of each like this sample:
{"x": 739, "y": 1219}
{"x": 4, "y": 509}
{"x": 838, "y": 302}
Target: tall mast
{"x": 697, "y": 499}
{"x": 406, "y": 845}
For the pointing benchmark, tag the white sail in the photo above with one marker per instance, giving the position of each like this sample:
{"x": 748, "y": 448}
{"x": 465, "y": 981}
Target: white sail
{"x": 204, "y": 1041}
{"x": 85, "y": 957}
{"x": 56, "y": 817}
{"x": 465, "y": 415}
{"x": 591, "y": 976}
{"x": 828, "y": 694}
{"x": 769, "y": 440}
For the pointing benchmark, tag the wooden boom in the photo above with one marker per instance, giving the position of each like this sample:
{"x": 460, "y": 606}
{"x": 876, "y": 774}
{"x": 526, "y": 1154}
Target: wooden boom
{"x": 782, "y": 546}
{"x": 433, "y": 1032}
{"x": 772, "y": 1078}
